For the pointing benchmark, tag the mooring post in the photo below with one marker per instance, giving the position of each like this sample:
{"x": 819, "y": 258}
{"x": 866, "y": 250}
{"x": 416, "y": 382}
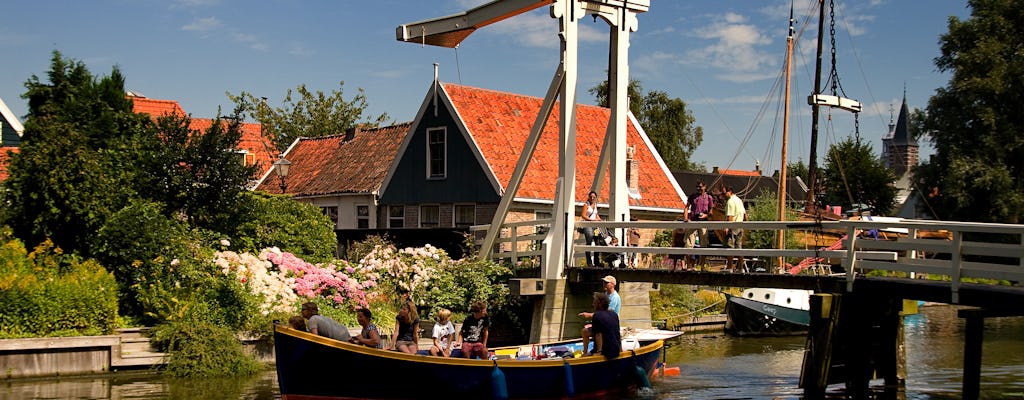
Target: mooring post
{"x": 893, "y": 359}
{"x": 973, "y": 332}
{"x": 818, "y": 354}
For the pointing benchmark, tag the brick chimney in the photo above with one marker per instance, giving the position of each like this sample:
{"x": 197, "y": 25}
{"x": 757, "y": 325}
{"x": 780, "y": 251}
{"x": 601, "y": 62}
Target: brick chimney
{"x": 351, "y": 133}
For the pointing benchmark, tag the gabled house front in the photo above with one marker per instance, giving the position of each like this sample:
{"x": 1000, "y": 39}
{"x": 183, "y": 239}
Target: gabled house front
{"x": 462, "y": 148}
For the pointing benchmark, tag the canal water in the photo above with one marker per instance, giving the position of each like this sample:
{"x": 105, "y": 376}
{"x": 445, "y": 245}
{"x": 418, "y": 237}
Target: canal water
{"x": 711, "y": 366}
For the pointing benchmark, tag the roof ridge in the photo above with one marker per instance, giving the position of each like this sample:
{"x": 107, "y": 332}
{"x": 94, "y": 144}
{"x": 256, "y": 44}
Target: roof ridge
{"x": 525, "y": 96}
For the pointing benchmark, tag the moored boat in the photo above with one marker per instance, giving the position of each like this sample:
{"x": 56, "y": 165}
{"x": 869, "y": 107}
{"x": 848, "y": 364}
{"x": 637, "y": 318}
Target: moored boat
{"x": 768, "y": 312}
{"x": 316, "y": 367}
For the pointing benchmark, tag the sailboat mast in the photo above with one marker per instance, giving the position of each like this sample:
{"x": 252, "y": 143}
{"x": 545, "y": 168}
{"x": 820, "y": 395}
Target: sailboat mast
{"x": 812, "y": 169}
{"x": 785, "y": 136}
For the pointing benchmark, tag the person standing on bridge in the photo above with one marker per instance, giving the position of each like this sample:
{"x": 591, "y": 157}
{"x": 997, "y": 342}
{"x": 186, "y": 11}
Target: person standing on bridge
{"x": 734, "y": 212}
{"x": 699, "y": 209}
{"x": 590, "y": 214}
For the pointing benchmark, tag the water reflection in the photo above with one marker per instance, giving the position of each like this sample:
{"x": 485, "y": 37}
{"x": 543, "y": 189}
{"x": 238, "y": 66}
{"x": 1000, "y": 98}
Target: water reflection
{"x": 143, "y": 386}
{"x": 712, "y": 366}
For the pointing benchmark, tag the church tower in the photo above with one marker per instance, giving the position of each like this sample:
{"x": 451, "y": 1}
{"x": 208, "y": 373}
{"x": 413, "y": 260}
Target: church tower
{"x": 899, "y": 150}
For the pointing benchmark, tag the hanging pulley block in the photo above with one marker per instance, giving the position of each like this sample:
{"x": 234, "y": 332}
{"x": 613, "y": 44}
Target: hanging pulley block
{"x": 850, "y": 105}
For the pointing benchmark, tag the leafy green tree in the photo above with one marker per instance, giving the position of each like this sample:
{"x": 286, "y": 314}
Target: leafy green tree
{"x": 62, "y": 183}
{"x": 798, "y": 169}
{"x": 667, "y": 121}
{"x": 195, "y": 174}
{"x": 975, "y": 122}
{"x": 311, "y": 115}
{"x": 854, "y": 175}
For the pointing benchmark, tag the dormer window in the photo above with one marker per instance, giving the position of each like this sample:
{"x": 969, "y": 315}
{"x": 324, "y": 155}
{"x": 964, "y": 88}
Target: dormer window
{"x": 437, "y": 149}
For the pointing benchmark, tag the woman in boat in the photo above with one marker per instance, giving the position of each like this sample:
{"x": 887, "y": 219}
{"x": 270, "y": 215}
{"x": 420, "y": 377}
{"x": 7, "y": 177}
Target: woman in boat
{"x": 407, "y": 329}
{"x": 370, "y": 335}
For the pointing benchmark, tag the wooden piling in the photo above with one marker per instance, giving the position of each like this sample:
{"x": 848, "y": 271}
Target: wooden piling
{"x": 973, "y": 332}
{"x": 817, "y": 363}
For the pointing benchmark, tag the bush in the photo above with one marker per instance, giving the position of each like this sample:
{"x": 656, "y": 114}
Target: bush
{"x": 200, "y": 348}
{"x": 47, "y": 293}
{"x": 677, "y": 304}
{"x": 294, "y": 227}
{"x": 138, "y": 244}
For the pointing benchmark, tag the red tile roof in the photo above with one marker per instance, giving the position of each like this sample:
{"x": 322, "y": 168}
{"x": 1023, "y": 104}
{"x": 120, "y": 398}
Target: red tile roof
{"x": 739, "y": 172}
{"x": 259, "y": 149}
{"x": 500, "y": 123}
{"x": 332, "y": 164}
{"x": 5, "y": 160}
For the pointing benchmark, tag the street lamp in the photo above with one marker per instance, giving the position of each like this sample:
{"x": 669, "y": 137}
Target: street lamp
{"x": 281, "y": 168}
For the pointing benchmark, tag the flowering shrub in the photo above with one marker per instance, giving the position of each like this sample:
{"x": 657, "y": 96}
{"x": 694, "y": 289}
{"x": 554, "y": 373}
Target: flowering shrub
{"x": 336, "y": 283}
{"x": 407, "y": 270}
{"x": 260, "y": 276}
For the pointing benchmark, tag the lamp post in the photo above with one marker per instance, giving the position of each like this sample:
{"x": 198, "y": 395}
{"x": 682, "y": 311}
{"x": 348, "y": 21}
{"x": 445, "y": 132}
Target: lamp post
{"x": 281, "y": 168}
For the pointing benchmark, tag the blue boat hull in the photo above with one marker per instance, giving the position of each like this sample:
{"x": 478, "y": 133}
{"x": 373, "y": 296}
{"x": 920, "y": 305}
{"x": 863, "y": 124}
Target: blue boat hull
{"x": 315, "y": 367}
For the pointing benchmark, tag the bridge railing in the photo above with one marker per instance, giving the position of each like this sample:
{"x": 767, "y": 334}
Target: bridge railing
{"x": 518, "y": 241}
{"x": 807, "y": 226}
{"x": 965, "y": 250}
{"x": 954, "y": 249}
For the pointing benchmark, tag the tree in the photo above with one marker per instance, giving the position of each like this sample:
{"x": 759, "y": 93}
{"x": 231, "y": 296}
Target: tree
{"x": 62, "y": 183}
{"x": 312, "y": 115}
{"x": 667, "y": 122}
{"x": 854, "y": 175}
{"x": 975, "y": 122}
{"x": 798, "y": 169}
{"x": 195, "y": 174}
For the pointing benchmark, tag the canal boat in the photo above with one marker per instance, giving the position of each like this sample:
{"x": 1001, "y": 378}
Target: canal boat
{"x": 316, "y": 367}
{"x": 768, "y": 312}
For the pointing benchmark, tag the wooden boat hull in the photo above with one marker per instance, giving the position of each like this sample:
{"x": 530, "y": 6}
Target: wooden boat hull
{"x": 315, "y": 367}
{"x": 747, "y": 317}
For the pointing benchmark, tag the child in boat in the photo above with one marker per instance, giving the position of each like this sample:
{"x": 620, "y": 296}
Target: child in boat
{"x": 474, "y": 332}
{"x": 444, "y": 334}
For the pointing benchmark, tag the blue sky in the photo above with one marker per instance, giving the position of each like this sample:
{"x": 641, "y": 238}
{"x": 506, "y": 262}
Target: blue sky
{"x": 721, "y": 57}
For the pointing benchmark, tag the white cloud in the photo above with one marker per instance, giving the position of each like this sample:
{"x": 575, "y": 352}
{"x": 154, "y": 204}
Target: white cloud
{"x": 250, "y": 41}
{"x": 299, "y": 50}
{"x": 735, "y": 46}
{"x": 203, "y": 25}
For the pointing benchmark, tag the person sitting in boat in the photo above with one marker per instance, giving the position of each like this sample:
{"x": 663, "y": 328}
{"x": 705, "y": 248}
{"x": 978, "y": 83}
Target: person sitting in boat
{"x": 474, "y": 332}
{"x": 407, "y": 329}
{"x": 297, "y": 323}
{"x": 370, "y": 335}
{"x": 605, "y": 328}
{"x": 324, "y": 326}
{"x": 614, "y": 304}
{"x": 444, "y": 334}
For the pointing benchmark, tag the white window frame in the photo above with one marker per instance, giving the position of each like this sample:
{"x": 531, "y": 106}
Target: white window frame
{"x": 442, "y": 150}
{"x": 361, "y": 218}
{"x": 392, "y": 217}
